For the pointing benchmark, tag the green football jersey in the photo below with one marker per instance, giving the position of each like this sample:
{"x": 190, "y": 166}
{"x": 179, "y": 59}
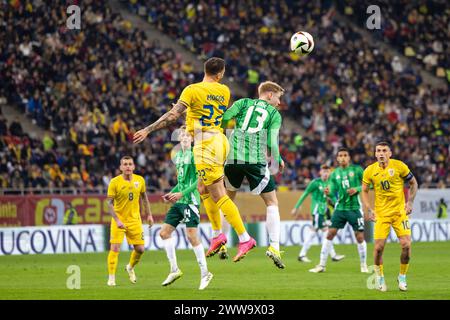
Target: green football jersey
{"x": 186, "y": 177}
{"x": 318, "y": 197}
{"x": 256, "y": 132}
{"x": 342, "y": 179}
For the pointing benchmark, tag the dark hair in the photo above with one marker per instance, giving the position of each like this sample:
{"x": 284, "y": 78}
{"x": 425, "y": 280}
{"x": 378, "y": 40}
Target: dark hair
{"x": 343, "y": 149}
{"x": 126, "y": 158}
{"x": 214, "y": 66}
{"x": 325, "y": 167}
{"x": 383, "y": 143}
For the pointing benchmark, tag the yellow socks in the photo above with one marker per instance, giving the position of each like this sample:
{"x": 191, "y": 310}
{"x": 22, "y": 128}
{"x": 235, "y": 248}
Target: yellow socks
{"x": 212, "y": 210}
{"x": 379, "y": 270}
{"x": 231, "y": 213}
{"x": 404, "y": 269}
{"x": 135, "y": 257}
{"x": 113, "y": 258}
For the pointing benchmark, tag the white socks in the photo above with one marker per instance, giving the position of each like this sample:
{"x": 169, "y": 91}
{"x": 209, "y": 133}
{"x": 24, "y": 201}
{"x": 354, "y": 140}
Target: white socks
{"x": 201, "y": 259}
{"x": 362, "y": 250}
{"x": 307, "y": 244}
{"x": 225, "y": 224}
{"x": 244, "y": 237}
{"x": 326, "y": 246}
{"x": 273, "y": 226}
{"x": 169, "y": 246}
{"x": 332, "y": 252}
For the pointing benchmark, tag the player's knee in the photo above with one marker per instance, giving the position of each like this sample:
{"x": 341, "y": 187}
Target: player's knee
{"x": 406, "y": 245}
{"x": 331, "y": 234}
{"x": 114, "y": 247}
{"x": 193, "y": 238}
{"x": 201, "y": 188}
{"x": 360, "y": 237}
{"x": 379, "y": 248}
{"x": 164, "y": 234}
{"x": 139, "y": 249}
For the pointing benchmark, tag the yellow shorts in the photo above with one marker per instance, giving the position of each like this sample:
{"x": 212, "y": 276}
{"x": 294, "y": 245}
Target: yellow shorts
{"x": 209, "y": 156}
{"x": 400, "y": 224}
{"x": 134, "y": 232}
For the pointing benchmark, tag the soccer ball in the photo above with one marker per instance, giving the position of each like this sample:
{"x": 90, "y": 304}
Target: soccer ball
{"x": 302, "y": 43}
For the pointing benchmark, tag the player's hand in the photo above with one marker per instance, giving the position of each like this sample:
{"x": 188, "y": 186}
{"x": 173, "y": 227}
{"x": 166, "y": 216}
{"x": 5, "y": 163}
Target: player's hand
{"x": 140, "y": 136}
{"x": 282, "y": 166}
{"x": 352, "y": 191}
{"x": 326, "y": 190}
{"x": 120, "y": 224}
{"x": 370, "y": 216}
{"x": 174, "y": 197}
{"x": 408, "y": 208}
{"x": 165, "y": 197}
{"x": 150, "y": 221}
{"x": 294, "y": 212}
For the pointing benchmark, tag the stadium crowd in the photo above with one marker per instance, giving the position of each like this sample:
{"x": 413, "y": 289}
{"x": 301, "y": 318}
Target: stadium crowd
{"x": 420, "y": 29}
{"x": 91, "y": 88}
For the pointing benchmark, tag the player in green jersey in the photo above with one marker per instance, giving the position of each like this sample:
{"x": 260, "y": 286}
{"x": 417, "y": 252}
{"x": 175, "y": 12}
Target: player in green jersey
{"x": 319, "y": 208}
{"x": 254, "y": 138}
{"x": 344, "y": 187}
{"x": 186, "y": 199}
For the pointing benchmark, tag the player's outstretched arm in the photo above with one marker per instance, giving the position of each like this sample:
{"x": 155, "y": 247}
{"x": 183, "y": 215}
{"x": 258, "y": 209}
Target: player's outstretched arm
{"x": 413, "y": 187}
{"x": 164, "y": 121}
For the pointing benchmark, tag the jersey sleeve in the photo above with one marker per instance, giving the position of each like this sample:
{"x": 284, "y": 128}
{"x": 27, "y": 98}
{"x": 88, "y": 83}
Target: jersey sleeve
{"x": 186, "y": 96}
{"x": 233, "y": 110}
{"x": 367, "y": 176}
{"x": 112, "y": 189}
{"x": 404, "y": 171}
{"x": 274, "y": 130}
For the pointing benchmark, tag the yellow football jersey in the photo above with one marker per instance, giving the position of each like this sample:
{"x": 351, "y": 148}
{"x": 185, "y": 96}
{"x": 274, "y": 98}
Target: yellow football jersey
{"x": 126, "y": 197}
{"x": 388, "y": 184}
{"x": 206, "y": 103}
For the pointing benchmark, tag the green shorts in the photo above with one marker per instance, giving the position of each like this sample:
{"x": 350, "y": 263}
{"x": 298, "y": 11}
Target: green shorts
{"x": 319, "y": 221}
{"x": 353, "y": 217}
{"x": 258, "y": 177}
{"x": 183, "y": 213}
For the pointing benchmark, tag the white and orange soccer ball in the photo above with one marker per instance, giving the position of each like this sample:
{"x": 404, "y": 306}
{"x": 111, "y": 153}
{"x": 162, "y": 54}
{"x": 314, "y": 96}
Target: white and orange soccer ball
{"x": 302, "y": 43}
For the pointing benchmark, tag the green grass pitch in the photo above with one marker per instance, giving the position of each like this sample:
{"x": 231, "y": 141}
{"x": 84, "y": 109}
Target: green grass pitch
{"x": 254, "y": 278}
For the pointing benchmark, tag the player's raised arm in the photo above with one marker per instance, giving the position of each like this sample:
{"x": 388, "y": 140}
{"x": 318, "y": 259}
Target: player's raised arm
{"x": 164, "y": 121}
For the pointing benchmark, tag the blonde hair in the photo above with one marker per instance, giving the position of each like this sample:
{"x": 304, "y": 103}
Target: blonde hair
{"x": 269, "y": 86}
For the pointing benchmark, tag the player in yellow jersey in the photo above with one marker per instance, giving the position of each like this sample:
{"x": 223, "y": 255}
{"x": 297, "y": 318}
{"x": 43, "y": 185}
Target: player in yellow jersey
{"x": 206, "y": 103}
{"x": 387, "y": 176}
{"x": 125, "y": 193}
